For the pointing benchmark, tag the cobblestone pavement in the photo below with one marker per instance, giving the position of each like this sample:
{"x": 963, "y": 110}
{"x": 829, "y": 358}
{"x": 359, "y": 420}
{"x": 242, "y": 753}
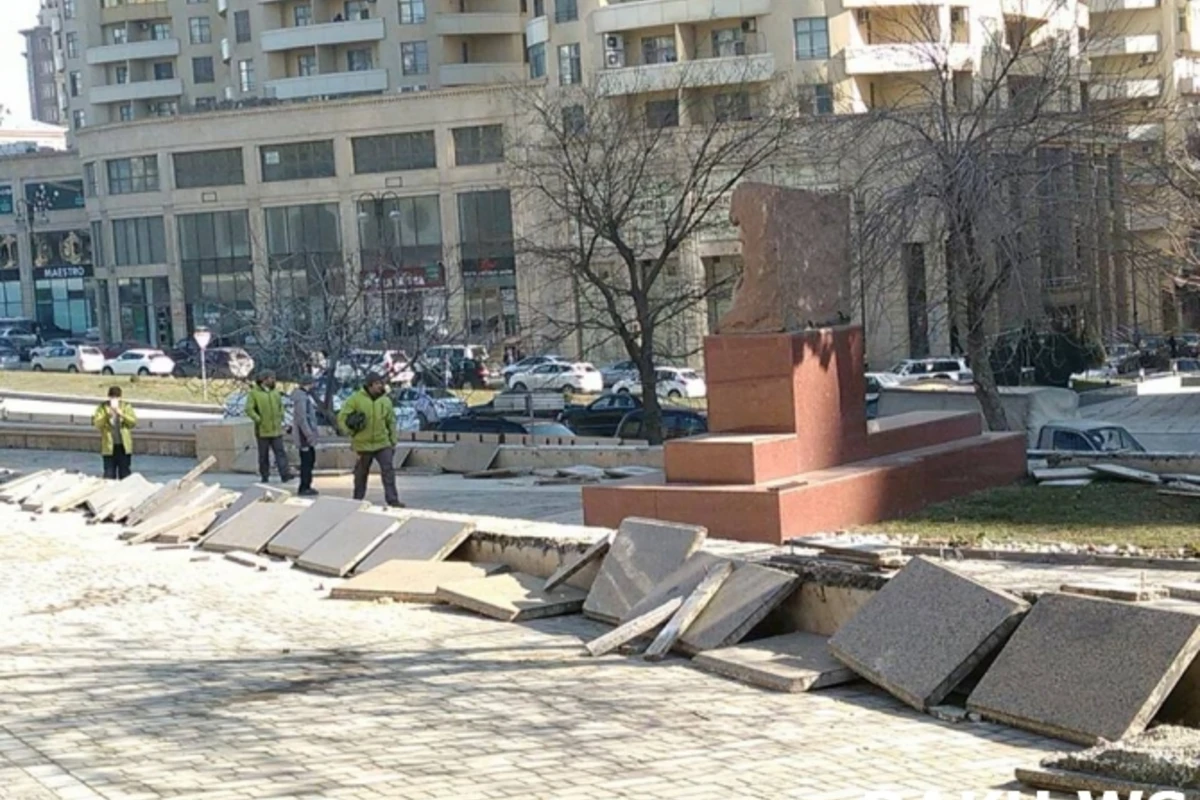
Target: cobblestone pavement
{"x": 129, "y": 672}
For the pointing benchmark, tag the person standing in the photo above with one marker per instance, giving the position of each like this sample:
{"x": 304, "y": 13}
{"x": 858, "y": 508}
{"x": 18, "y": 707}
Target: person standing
{"x": 369, "y": 418}
{"x": 304, "y": 426}
{"x": 265, "y": 407}
{"x": 115, "y": 419}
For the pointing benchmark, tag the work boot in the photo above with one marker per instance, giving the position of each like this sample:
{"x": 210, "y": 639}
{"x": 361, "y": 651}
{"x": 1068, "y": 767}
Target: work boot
{"x": 308, "y": 493}
{"x": 396, "y": 504}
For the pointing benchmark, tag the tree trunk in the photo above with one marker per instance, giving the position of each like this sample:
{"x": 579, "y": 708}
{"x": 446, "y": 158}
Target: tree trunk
{"x": 652, "y": 427}
{"x": 986, "y": 391}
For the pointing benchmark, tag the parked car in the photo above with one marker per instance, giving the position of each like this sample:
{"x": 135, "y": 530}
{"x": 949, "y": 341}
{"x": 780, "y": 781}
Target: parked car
{"x": 454, "y": 352}
{"x": 528, "y": 363}
{"x": 114, "y": 349}
{"x": 21, "y": 337}
{"x": 69, "y": 359}
{"x": 558, "y": 376}
{"x": 1087, "y": 435}
{"x": 10, "y": 357}
{"x": 139, "y": 362}
{"x": 672, "y": 382}
{"x": 394, "y": 365}
{"x": 462, "y": 374}
{"x": 219, "y": 362}
{"x": 1188, "y": 366}
{"x": 601, "y": 416}
{"x": 620, "y": 371}
{"x": 446, "y": 403}
{"x": 51, "y": 344}
{"x": 920, "y": 369}
{"x": 677, "y": 423}
{"x": 480, "y": 424}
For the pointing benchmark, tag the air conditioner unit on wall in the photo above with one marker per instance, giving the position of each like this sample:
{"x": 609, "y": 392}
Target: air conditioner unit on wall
{"x": 614, "y": 42}
{"x": 614, "y": 59}
{"x": 749, "y": 25}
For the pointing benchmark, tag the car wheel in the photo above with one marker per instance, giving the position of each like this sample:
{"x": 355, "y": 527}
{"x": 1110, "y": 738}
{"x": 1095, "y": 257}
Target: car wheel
{"x": 106, "y": 371}
{"x": 520, "y": 387}
{"x": 674, "y": 394}
{"x": 143, "y": 371}
{"x": 72, "y": 368}
{"x": 37, "y": 367}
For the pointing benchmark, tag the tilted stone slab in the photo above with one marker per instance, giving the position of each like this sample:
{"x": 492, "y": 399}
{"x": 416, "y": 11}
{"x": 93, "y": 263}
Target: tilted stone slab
{"x": 313, "y": 523}
{"x": 419, "y": 539}
{"x": 924, "y": 631}
{"x": 255, "y": 494}
{"x": 251, "y": 528}
{"x": 511, "y": 597}
{"x": 642, "y": 554}
{"x": 347, "y": 543}
{"x": 470, "y": 457}
{"x": 1085, "y": 669}
{"x": 410, "y": 581}
{"x": 793, "y": 662}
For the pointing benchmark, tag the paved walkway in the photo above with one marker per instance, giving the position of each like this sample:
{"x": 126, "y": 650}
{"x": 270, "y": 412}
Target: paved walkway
{"x": 130, "y": 672}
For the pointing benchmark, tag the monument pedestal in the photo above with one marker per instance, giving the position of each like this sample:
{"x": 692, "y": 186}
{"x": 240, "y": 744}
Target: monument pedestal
{"x": 791, "y": 453}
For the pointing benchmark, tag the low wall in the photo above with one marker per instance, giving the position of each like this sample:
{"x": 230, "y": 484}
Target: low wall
{"x": 159, "y": 405}
{"x": 1027, "y": 408}
{"x": 26, "y": 436}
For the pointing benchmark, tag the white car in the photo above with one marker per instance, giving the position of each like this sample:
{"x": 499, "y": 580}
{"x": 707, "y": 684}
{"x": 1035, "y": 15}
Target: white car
{"x": 140, "y": 362}
{"x": 924, "y": 369}
{"x": 559, "y": 376}
{"x": 69, "y": 359}
{"x": 672, "y": 382}
{"x": 528, "y": 363}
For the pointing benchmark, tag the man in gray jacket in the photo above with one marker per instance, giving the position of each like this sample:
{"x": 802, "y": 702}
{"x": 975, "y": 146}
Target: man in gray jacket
{"x": 304, "y": 426}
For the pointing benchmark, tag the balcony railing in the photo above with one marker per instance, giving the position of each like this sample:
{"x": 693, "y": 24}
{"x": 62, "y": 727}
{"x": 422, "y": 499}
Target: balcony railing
{"x": 330, "y": 33}
{"x": 656, "y": 13}
{"x": 899, "y": 58}
{"x": 133, "y": 51}
{"x": 328, "y": 85}
{"x": 455, "y": 24}
{"x": 138, "y": 90}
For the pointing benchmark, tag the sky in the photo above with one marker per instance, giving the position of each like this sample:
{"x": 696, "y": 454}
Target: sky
{"x": 15, "y": 15}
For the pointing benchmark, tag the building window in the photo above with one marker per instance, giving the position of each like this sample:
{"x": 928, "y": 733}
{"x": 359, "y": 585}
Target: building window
{"x": 299, "y": 161}
{"x": 536, "y": 56}
{"x": 164, "y": 71}
{"x": 412, "y": 12}
{"x": 75, "y": 83}
{"x": 414, "y": 58}
{"x": 728, "y": 42}
{"x": 205, "y": 103}
{"x": 306, "y": 65}
{"x": 302, "y": 15}
{"x": 241, "y": 26}
{"x": 160, "y": 31}
{"x": 90, "y": 185}
{"x": 209, "y": 168}
{"x": 358, "y": 60}
{"x": 145, "y": 310}
{"x": 132, "y": 175}
{"x": 215, "y": 261}
{"x": 731, "y": 106}
{"x": 812, "y": 37}
{"x": 822, "y": 99}
{"x": 658, "y": 50}
{"x": 202, "y": 70}
{"x": 72, "y": 45}
{"x": 539, "y": 8}
{"x": 164, "y": 108}
{"x": 402, "y": 235}
{"x": 246, "y": 75}
{"x": 199, "y": 30}
{"x": 569, "y": 68}
{"x": 68, "y": 8}
{"x": 483, "y": 144}
{"x": 394, "y": 152}
{"x": 305, "y": 261}
{"x": 125, "y": 112}
{"x": 98, "y": 256}
{"x": 78, "y": 119}
{"x": 138, "y": 241}
{"x": 662, "y": 113}
{"x": 574, "y": 120}
{"x": 117, "y": 34}
{"x": 566, "y": 10}
{"x": 357, "y": 9}
{"x": 488, "y": 264}
{"x": 121, "y": 74}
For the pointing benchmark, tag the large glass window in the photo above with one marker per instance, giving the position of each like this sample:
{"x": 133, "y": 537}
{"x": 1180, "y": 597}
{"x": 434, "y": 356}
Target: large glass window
{"x": 401, "y": 238}
{"x": 209, "y": 168}
{"x": 298, "y": 161}
{"x": 138, "y": 241}
{"x": 202, "y": 70}
{"x": 215, "y": 259}
{"x": 132, "y": 175}
{"x": 394, "y": 152}
{"x": 812, "y": 37}
{"x": 145, "y": 310}
{"x": 200, "y": 30}
{"x": 536, "y": 56}
{"x": 306, "y": 264}
{"x": 566, "y": 10}
{"x": 486, "y": 233}
{"x": 414, "y": 58}
{"x": 412, "y": 12}
{"x": 246, "y": 75}
{"x": 570, "y": 69}
{"x": 10, "y": 294}
{"x": 483, "y": 144}
{"x": 241, "y": 26}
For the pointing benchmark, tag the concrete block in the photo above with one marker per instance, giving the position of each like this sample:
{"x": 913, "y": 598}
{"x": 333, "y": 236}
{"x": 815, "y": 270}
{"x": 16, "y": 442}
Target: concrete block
{"x": 251, "y": 528}
{"x": 511, "y": 597}
{"x": 347, "y": 543}
{"x": 924, "y": 631}
{"x": 1084, "y": 669}
{"x": 793, "y": 662}
{"x": 1169, "y": 755}
{"x": 254, "y": 494}
{"x": 1126, "y": 473}
{"x": 419, "y": 539}
{"x": 410, "y": 581}
{"x": 642, "y": 554}
{"x": 311, "y": 524}
{"x": 750, "y": 593}
{"x": 638, "y": 626}
{"x": 1184, "y": 591}
{"x": 470, "y": 457}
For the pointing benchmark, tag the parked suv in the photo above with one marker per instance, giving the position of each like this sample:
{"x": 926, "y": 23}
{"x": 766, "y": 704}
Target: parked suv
{"x": 923, "y": 369}
{"x": 69, "y": 359}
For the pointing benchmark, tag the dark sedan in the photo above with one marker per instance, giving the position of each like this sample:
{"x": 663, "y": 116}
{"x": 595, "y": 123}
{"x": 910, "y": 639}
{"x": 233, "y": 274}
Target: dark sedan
{"x": 677, "y": 424}
{"x": 602, "y": 416}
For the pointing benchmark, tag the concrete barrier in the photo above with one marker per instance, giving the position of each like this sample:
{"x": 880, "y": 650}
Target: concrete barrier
{"x": 159, "y": 405}
{"x": 27, "y": 436}
{"x": 1158, "y": 463}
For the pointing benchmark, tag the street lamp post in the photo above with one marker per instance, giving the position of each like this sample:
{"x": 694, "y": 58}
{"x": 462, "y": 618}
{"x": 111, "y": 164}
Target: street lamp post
{"x": 379, "y": 201}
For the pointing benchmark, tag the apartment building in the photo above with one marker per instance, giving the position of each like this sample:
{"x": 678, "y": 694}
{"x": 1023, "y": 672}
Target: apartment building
{"x": 42, "y": 69}
{"x": 224, "y": 146}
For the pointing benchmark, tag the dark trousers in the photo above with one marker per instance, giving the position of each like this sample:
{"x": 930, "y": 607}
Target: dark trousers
{"x": 308, "y": 458}
{"x": 265, "y": 446}
{"x": 119, "y": 464}
{"x": 387, "y": 473}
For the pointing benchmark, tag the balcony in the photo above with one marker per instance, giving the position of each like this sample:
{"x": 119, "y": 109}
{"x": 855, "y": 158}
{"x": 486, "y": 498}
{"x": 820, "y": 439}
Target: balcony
{"x": 537, "y": 31}
{"x": 133, "y": 51}
{"x": 138, "y": 90}
{"x": 328, "y": 85}
{"x": 726, "y": 71}
{"x": 330, "y": 33}
{"x": 653, "y": 13}
{"x": 1033, "y": 9}
{"x": 1145, "y": 132}
{"x": 899, "y": 58}
{"x": 1106, "y": 6}
{"x": 481, "y": 73}
{"x": 1101, "y": 88}
{"x": 1133, "y": 45}
{"x": 478, "y": 24}
{"x": 135, "y": 12}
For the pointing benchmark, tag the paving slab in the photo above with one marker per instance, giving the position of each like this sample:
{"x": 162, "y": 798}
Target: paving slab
{"x": 254, "y": 494}
{"x": 642, "y": 554}
{"x": 1184, "y": 591}
{"x": 419, "y": 539}
{"x": 924, "y": 631}
{"x": 1062, "y": 473}
{"x": 1127, "y": 591}
{"x": 1083, "y": 669}
{"x": 410, "y": 581}
{"x": 251, "y": 528}
{"x": 117, "y": 493}
{"x": 470, "y": 457}
{"x": 511, "y": 597}
{"x": 1077, "y": 783}
{"x": 1126, "y": 473}
{"x": 793, "y": 662}
{"x": 347, "y": 543}
{"x": 1066, "y": 483}
{"x": 1169, "y": 755}
{"x": 745, "y": 598}
{"x": 311, "y": 524}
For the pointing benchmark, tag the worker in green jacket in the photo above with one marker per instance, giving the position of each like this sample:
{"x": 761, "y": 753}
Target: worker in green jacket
{"x": 115, "y": 419}
{"x": 265, "y": 407}
{"x": 370, "y": 420}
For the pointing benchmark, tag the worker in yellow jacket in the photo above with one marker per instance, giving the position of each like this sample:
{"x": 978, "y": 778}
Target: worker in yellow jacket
{"x": 115, "y": 419}
{"x": 264, "y": 405}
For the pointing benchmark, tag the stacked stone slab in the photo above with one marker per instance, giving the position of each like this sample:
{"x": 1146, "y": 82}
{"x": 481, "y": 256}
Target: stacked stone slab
{"x": 642, "y": 554}
{"x": 313, "y": 523}
{"x": 411, "y": 581}
{"x": 793, "y": 662}
{"x": 512, "y": 597}
{"x": 347, "y": 543}
{"x": 419, "y": 539}
{"x": 251, "y": 528}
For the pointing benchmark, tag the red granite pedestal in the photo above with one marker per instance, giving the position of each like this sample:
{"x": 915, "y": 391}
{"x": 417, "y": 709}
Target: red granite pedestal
{"x": 791, "y": 453}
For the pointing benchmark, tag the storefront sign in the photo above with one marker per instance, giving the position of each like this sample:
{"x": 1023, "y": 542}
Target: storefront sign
{"x": 501, "y": 265}
{"x": 62, "y": 272}
{"x": 62, "y": 248}
{"x": 6, "y": 200}
{"x": 391, "y": 279}
{"x": 54, "y": 195}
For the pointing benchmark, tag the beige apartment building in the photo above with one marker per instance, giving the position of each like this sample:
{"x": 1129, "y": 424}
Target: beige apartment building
{"x": 225, "y": 147}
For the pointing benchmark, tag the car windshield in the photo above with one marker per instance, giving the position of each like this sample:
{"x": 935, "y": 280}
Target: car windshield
{"x": 1110, "y": 439}
{"x": 89, "y": 351}
{"x": 688, "y": 374}
{"x": 548, "y": 429}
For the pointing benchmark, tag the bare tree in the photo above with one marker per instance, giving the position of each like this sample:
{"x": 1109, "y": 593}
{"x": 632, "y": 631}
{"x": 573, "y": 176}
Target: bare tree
{"x": 622, "y": 189}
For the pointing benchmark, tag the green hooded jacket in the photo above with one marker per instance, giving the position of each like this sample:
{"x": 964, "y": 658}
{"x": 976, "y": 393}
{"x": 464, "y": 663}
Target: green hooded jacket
{"x": 102, "y": 421}
{"x": 380, "y": 430}
{"x": 265, "y": 407}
